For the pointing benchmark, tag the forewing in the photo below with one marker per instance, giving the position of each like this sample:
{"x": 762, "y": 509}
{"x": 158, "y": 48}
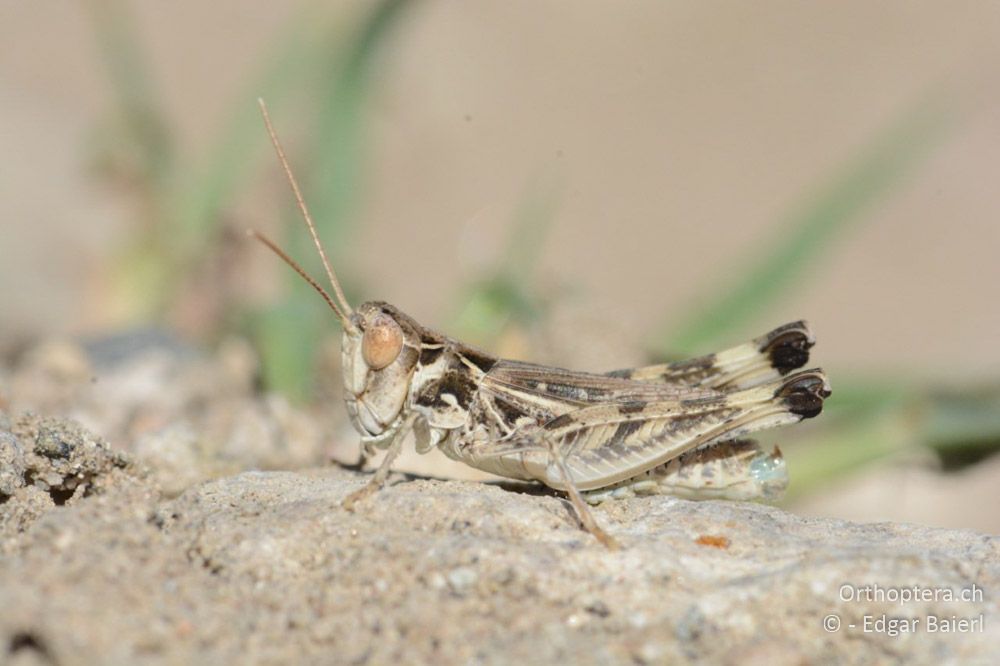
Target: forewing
{"x": 524, "y": 393}
{"x": 608, "y": 442}
{"x": 763, "y": 359}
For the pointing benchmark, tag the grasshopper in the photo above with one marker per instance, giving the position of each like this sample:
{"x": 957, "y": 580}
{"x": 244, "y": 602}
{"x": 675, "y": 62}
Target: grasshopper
{"x": 673, "y": 428}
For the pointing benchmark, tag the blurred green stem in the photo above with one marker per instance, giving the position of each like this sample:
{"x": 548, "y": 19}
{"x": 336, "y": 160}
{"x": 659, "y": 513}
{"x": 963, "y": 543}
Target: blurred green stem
{"x": 809, "y": 233}
{"x": 496, "y": 300}
{"x": 291, "y": 335}
{"x": 874, "y": 421}
{"x": 129, "y": 71}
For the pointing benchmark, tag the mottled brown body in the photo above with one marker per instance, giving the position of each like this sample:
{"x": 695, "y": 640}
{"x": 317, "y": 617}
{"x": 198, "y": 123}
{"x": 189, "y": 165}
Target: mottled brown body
{"x": 494, "y": 414}
{"x": 661, "y": 428}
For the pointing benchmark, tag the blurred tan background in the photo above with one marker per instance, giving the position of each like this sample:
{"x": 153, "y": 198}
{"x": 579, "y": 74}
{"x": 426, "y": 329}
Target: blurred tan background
{"x": 681, "y": 135}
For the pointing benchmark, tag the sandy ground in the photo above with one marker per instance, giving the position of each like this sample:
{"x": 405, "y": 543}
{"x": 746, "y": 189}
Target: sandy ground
{"x": 159, "y": 548}
{"x": 266, "y": 568}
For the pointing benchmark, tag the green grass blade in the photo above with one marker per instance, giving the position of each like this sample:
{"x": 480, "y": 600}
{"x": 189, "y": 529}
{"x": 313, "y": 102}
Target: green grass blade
{"x": 139, "y": 149}
{"x": 874, "y": 420}
{"x": 505, "y": 296}
{"x": 810, "y": 232}
{"x": 836, "y": 453}
{"x": 344, "y": 85}
{"x": 963, "y": 426}
{"x": 332, "y": 188}
{"x": 230, "y": 161}
{"x": 284, "y": 366}
{"x": 147, "y": 131}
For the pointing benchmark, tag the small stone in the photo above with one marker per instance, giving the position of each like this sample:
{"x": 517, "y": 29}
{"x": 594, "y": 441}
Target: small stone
{"x": 462, "y": 578}
{"x": 436, "y": 581}
{"x": 51, "y": 445}
{"x": 11, "y": 463}
{"x": 650, "y": 653}
{"x": 638, "y": 620}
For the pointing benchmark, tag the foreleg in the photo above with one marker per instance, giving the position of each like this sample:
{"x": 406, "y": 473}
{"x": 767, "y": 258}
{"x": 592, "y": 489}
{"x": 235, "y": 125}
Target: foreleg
{"x": 382, "y": 473}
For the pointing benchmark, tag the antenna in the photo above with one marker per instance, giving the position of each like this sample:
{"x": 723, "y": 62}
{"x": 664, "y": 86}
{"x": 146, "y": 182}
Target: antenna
{"x": 344, "y": 310}
{"x": 298, "y": 269}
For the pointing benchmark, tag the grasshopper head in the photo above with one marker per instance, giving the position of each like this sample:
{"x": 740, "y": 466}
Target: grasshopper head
{"x": 380, "y": 352}
{"x": 381, "y": 345}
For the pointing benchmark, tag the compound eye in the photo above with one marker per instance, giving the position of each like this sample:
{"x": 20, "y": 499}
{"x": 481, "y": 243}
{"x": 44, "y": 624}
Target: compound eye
{"x": 382, "y": 342}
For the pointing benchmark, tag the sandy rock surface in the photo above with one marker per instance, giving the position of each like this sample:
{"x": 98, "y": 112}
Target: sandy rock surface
{"x": 156, "y": 546}
{"x": 265, "y": 567}
{"x": 185, "y": 415}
